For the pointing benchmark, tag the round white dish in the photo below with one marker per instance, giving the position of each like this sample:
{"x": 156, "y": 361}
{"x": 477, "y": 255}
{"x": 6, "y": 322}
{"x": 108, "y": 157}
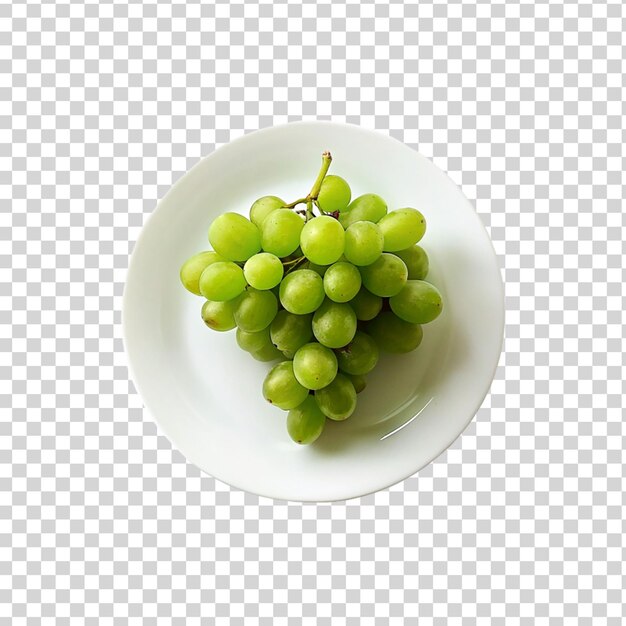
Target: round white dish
{"x": 205, "y": 392}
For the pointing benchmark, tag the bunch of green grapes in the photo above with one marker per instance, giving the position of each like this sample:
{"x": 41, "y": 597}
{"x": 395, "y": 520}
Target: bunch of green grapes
{"x": 321, "y": 290}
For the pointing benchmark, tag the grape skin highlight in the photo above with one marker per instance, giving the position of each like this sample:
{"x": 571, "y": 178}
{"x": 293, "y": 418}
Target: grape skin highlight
{"x": 369, "y": 207}
{"x": 262, "y": 207}
{"x": 322, "y": 240}
{"x": 234, "y": 237}
{"x": 218, "y": 315}
{"x": 418, "y": 302}
{"x": 289, "y": 332}
{"x": 342, "y": 281}
{"x": 386, "y": 276}
{"x": 302, "y": 291}
{"x": 402, "y": 228}
{"x": 280, "y": 232}
{"x": 315, "y": 366}
{"x": 221, "y": 281}
{"x": 334, "y": 324}
{"x": 255, "y": 310}
{"x": 192, "y": 269}
{"x": 306, "y": 422}
{"x": 338, "y": 400}
{"x": 364, "y": 243}
{"x": 263, "y": 270}
{"x": 334, "y": 195}
{"x": 282, "y": 389}
{"x": 253, "y": 342}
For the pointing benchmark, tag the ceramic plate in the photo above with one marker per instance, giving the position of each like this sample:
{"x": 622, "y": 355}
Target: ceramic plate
{"x": 205, "y": 393}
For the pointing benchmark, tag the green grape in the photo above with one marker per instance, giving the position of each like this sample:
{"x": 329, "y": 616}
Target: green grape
{"x": 255, "y": 310}
{"x": 263, "y": 270}
{"x": 359, "y": 382}
{"x": 364, "y": 243}
{"x": 360, "y": 356}
{"x": 315, "y": 366}
{"x": 342, "y": 282}
{"x": 262, "y": 207}
{"x": 416, "y": 261}
{"x": 393, "y": 334}
{"x": 402, "y": 229}
{"x": 290, "y": 332}
{"x": 338, "y": 400}
{"x": 302, "y": 291}
{"x": 221, "y": 281}
{"x": 253, "y": 342}
{"x": 234, "y": 237}
{"x": 386, "y": 276}
{"x": 218, "y": 315}
{"x": 192, "y": 269}
{"x": 322, "y": 240}
{"x": 368, "y": 207}
{"x": 268, "y": 353}
{"x": 334, "y": 324}
{"x": 306, "y": 422}
{"x": 280, "y": 233}
{"x": 281, "y": 387}
{"x": 320, "y": 269}
{"x": 418, "y": 302}
{"x": 334, "y": 195}
{"x": 366, "y": 305}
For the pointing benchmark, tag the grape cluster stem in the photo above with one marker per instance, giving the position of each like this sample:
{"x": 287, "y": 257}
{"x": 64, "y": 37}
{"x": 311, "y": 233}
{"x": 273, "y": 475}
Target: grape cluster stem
{"x": 311, "y": 198}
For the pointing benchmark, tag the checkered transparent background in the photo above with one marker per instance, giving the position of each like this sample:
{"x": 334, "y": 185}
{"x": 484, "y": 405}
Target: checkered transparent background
{"x": 103, "y": 105}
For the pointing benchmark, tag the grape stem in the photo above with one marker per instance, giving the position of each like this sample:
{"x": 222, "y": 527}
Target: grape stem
{"x": 285, "y": 263}
{"x": 294, "y": 264}
{"x": 311, "y": 199}
{"x": 295, "y": 203}
{"x": 317, "y": 185}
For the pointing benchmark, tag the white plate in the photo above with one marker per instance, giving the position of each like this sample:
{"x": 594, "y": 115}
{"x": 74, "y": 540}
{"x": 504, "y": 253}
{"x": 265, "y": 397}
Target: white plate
{"x": 205, "y": 392}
